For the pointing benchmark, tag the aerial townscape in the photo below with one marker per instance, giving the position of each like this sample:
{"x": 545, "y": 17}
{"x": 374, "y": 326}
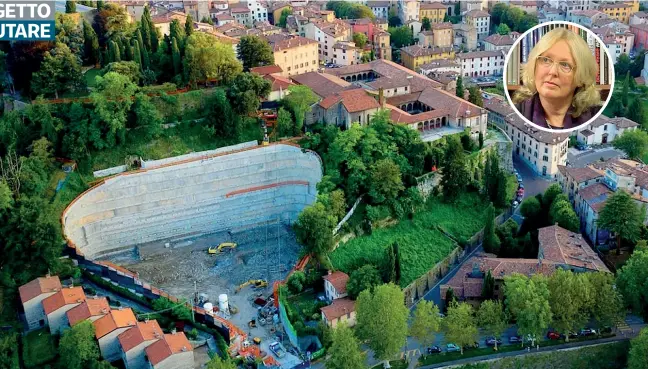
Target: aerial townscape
{"x": 258, "y": 184}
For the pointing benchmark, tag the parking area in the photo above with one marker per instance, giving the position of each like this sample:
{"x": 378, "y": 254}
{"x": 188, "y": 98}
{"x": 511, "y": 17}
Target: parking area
{"x": 580, "y": 159}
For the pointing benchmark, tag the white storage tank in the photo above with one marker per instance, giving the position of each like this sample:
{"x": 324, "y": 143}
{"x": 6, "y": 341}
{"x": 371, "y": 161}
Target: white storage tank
{"x": 222, "y": 303}
{"x": 209, "y": 307}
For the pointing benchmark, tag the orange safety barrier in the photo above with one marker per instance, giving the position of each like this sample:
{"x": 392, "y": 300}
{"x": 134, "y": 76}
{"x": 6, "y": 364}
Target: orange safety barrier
{"x": 265, "y": 187}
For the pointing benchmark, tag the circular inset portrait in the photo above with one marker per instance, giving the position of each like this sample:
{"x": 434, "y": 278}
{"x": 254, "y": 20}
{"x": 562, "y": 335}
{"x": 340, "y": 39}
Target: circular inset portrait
{"x": 559, "y": 76}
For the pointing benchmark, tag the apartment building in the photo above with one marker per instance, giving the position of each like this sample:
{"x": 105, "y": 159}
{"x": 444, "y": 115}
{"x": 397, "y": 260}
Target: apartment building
{"x": 434, "y": 11}
{"x": 408, "y": 10}
{"x": 482, "y": 63}
{"x": 415, "y": 55}
{"x": 500, "y": 42}
{"x": 294, "y": 54}
{"x": 327, "y": 35}
{"x": 480, "y": 20}
{"x": 32, "y": 295}
{"x": 619, "y": 11}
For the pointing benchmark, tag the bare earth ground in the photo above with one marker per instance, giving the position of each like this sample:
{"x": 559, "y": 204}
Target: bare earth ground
{"x": 267, "y": 252}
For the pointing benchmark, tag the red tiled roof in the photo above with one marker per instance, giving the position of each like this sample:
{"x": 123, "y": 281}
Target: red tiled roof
{"x": 65, "y": 296}
{"x": 290, "y": 42}
{"x": 88, "y": 308}
{"x": 322, "y": 84}
{"x": 265, "y": 70}
{"x": 115, "y": 319}
{"x": 278, "y": 82}
{"x": 477, "y": 14}
{"x": 582, "y": 174}
{"x": 143, "y": 331}
{"x": 417, "y": 50}
{"x": 434, "y": 5}
{"x": 593, "y": 191}
{"x": 353, "y": 100}
{"x": 338, "y": 280}
{"x": 502, "y": 40}
{"x": 338, "y": 308}
{"x": 170, "y": 344}
{"x": 442, "y": 25}
{"x": 561, "y": 246}
{"x": 39, "y": 286}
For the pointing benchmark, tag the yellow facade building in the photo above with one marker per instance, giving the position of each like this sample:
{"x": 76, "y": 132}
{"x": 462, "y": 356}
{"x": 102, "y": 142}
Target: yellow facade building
{"x": 435, "y": 12}
{"x": 414, "y": 56}
{"x": 618, "y": 11}
{"x": 294, "y": 54}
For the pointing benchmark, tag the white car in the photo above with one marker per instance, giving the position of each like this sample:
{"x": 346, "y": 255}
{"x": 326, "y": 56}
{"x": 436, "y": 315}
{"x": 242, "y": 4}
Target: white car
{"x": 515, "y": 204}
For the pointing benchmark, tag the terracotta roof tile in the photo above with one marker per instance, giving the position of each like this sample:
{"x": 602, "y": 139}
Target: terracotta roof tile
{"x": 477, "y": 14}
{"x": 143, "y": 331}
{"x": 434, "y": 5}
{"x": 65, "y": 296}
{"x": 89, "y": 308}
{"x": 39, "y": 286}
{"x": 338, "y": 280}
{"x": 481, "y": 54}
{"x": 278, "y": 82}
{"x": 583, "y": 174}
{"x": 353, "y": 100}
{"x": 265, "y": 70}
{"x": 417, "y": 50}
{"x": 322, "y": 84}
{"x": 338, "y": 308}
{"x": 115, "y": 319}
{"x": 442, "y": 25}
{"x": 561, "y": 246}
{"x": 169, "y": 345}
{"x": 502, "y": 40}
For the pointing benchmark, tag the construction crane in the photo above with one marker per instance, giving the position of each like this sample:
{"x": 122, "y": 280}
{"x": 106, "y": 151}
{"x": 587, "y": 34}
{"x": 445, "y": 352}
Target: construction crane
{"x": 257, "y": 283}
{"x": 218, "y": 249}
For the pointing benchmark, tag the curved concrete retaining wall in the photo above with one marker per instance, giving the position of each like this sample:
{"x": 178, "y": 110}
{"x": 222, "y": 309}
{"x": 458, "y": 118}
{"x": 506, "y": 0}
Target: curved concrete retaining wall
{"x": 195, "y": 197}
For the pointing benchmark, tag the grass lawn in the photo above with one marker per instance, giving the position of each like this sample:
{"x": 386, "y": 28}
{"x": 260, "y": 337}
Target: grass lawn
{"x": 90, "y": 76}
{"x": 421, "y": 244}
{"x": 180, "y": 140}
{"x": 39, "y": 348}
{"x": 395, "y": 364}
{"x": 511, "y": 187}
{"x": 307, "y": 305}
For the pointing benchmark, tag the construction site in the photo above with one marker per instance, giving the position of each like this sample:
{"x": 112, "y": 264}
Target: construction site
{"x": 212, "y": 229}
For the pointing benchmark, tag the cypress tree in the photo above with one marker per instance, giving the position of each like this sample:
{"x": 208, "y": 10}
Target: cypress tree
{"x": 90, "y": 43}
{"x": 176, "y": 57}
{"x": 145, "y": 28}
{"x": 490, "y": 241}
{"x": 113, "y": 52}
{"x": 100, "y": 4}
{"x": 397, "y": 265}
{"x": 155, "y": 40}
{"x": 137, "y": 53}
{"x": 176, "y": 31}
{"x": 70, "y": 7}
{"x": 189, "y": 25}
{"x": 488, "y": 289}
{"x": 145, "y": 57}
{"x": 128, "y": 51}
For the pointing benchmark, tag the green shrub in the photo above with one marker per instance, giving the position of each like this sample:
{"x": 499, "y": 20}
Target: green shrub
{"x": 39, "y": 348}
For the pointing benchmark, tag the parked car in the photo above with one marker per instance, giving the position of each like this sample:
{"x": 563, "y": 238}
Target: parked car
{"x": 515, "y": 204}
{"x": 475, "y": 345}
{"x": 490, "y": 341}
{"x": 451, "y": 347}
{"x": 519, "y": 178}
{"x": 587, "y": 332}
{"x": 521, "y": 186}
{"x": 572, "y": 335}
{"x": 520, "y": 192}
{"x": 515, "y": 339}
{"x": 519, "y": 198}
{"x": 553, "y": 335}
{"x": 433, "y": 350}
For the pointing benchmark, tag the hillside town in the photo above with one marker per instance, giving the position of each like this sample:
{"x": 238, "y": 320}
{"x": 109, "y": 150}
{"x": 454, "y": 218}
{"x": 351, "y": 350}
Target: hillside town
{"x": 337, "y": 184}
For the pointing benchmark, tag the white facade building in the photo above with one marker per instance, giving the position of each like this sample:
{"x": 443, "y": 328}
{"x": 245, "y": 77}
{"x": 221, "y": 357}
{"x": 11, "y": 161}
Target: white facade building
{"x": 482, "y": 63}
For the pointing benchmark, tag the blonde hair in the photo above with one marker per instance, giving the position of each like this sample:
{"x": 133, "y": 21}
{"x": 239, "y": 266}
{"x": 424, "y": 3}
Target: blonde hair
{"x": 586, "y": 95}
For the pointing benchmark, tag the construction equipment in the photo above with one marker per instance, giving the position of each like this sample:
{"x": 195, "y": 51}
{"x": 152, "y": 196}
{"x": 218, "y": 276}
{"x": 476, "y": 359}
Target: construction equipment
{"x": 252, "y": 323}
{"x": 257, "y": 340}
{"x": 218, "y": 249}
{"x": 257, "y": 283}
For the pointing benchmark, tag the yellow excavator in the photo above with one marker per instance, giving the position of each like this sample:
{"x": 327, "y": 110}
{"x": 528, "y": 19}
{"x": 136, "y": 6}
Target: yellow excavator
{"x": 257, "y": 283}
{"x": 218, "y": 249}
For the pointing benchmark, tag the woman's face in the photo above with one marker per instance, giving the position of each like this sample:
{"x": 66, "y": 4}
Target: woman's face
{"x": 552, "y": 80}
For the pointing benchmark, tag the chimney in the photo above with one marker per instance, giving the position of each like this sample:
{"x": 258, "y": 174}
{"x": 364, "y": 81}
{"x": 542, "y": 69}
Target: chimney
{"x": 184, "y": 348}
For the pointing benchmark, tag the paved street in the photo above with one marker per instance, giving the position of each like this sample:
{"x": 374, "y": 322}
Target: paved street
{"x": 580, "y": 159}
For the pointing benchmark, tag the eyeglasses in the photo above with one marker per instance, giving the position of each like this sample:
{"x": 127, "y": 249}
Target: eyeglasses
{"x": 546, "y": 62}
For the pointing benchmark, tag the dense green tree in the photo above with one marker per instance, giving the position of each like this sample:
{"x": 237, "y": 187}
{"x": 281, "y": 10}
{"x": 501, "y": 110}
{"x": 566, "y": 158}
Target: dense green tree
{"x": 550, "y": 194}
{"x": 492, "y": 318}
{"x": 314, "y": 229}
{"x": 78, "y": 346}
{"x": 145, "y": 28}
{"x": 450, "y": 297}
{"x": 632, "y": 281}
{"x": 217, "y": 363}
{"x": 68, "y": 32}
{"x": 114, "y": 54}
{"x": 285, "y": 125}
{"x": 426, "y": 25}
{"x": 296, "y": 281}
{"x": 622, "y": 216}
{"x": 146, "y": 63}
{"x": 254, "y": 51}
{"x": 637, "y": 359}
{"x": 531, "y": 208}
{"x": 459, "y": 90}
{"x": 189, "y": 23}
{"x": 481, "y": 140}
{"x": 90, "y": 44}
{"x": 137, "y": 55}
{"x": 350, "y": 10}
{"x": 220, "y": 116}
{"x": 299, "y": 101}
{"x": 177, "y": 31}
{"x": 360, "y": 39}
{"x": 606, "y": 304}
{"x": 497, "y": 12}
{"x": 622, "y": 66}
{"x": 113, "y": 22}
{"x": 488, "y": 289}
{"x": 527, "y": 299}
{"x": 401, "y": 36}
{"x": 503, "y": 29}
{"x": 284, "y": 17}
{"x": 382, "y": 311}
{"x": 569, "y": 298}
{"x": 129, "y": 69}
{"x": 454, "y": 170}
{"x": 112, "y": 102}
{"x": 633, "y": 143}
{"x": 206, "y": 58}
{"x": 389, "y": 267}
{"x": 59, "y": 72}
{"x": 6, "y": 197}
{"x": 637, "y": 64}
{"x": 148, "y": 119}
{"x": 177, "y": 60}
{"x": 426, "y": 323}
{"x": 246, "y": 91}
{"x": 367, "y": 277}
{"x": 460, "y": 325}
{"x": 475, "y": 96}
{"x": 345, "y": 353}
{"x": 386, "y": 182}
{"x": 393, "y": 19}
{"x": 70, "y": 7}
{"x": 491, "y": 242}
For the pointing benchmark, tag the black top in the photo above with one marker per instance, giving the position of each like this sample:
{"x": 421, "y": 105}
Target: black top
{"x": 532, "y": 110}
